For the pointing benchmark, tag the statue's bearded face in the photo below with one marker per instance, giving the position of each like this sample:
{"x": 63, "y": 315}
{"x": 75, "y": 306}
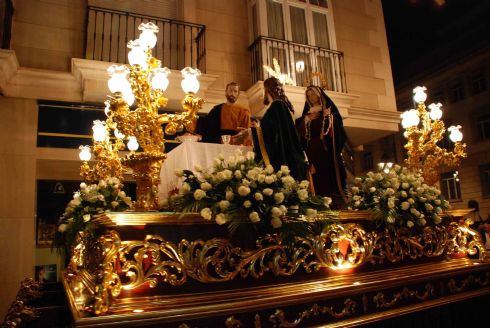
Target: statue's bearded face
{"x": 232, "y": 93}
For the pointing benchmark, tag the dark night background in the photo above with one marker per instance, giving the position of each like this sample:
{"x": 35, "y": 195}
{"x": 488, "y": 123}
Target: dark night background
{"x": 426, "y": 34}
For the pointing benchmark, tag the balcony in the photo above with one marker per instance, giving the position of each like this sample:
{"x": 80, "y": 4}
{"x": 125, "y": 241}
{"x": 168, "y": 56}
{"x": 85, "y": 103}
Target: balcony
{"x": 180, "y": 44}
{"x": 329, "y": 63}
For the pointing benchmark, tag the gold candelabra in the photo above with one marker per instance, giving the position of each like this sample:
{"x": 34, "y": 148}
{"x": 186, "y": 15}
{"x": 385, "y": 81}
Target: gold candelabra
{"x": 132, "y": 115}
{"x": 424, "y": 130}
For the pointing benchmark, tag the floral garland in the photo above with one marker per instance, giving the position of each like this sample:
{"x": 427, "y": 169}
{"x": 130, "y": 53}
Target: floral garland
{"x": 90, "y": 200}
{"x": 398, "y": 197}
{"x": 237, "y": 191}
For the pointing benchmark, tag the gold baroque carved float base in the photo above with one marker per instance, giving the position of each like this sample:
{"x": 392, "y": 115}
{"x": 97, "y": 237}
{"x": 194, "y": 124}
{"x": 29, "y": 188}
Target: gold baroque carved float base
{"x": 131, "y": 272}
{"x": 338, "y": 300}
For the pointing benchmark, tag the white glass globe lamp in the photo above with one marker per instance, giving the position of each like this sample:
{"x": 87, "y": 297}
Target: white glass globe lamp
{"x": 118, "y": 78}
{"x": 159, "y": 78}
{"x": 137, "y": 55}
{"x": 190, "y": 84}
{"x": 419, "y": 94}
{"x": 148, "y": 36}
{"x": 410, "y": 118}
{"x": 85, "y": 154}
{"x": 454, "y": 134}
{"x": 99, "y": 131}
{"x": 133, "y": 143}
{"x": 435, "y": 111}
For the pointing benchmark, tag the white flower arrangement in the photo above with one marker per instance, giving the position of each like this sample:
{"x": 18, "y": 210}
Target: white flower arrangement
{"x": 90, "y": 200}
{"x": 398, "y": 197}
{"x": 238, "y": 190}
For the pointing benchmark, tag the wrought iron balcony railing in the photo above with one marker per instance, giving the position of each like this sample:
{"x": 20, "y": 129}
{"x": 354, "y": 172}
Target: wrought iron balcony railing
{"x": 328, "y": 62}
{"x": 108, "y": 31}
{"x": 6, "y": 14}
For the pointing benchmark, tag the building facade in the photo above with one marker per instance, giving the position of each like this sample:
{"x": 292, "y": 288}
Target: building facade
{"x": 55, "y": 55}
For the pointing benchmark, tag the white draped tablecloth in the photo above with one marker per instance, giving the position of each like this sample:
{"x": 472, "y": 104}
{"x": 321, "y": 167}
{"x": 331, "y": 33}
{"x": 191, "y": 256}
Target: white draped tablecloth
{"x": 186, "y": 156}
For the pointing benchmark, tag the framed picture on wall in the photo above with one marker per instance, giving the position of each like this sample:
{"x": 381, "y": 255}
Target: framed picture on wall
{"x": 46, "y": 273}
{"x": 52, "y": 198}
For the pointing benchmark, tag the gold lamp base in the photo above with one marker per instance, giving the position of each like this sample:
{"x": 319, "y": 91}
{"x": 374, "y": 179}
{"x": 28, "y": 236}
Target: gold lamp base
{"x": 146, "y": 171}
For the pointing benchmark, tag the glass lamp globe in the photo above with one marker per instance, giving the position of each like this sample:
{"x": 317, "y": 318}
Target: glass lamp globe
{"x": 159, "y": 78}
{"x": 454, "y": 134}
{"x": 133, "y": 143}
{"x": 118, "y": 78}
{"x": 99, "y": 131}
{"x": 419, "y": 94}
{"x": 85, "y": 154}
{"x": 137, "y": 54}
{"x": 190, "y": 84}
{"x": 300, "y": 66}
{"x": 435, "y": 111}
{"x": 410, "y": 118}
{"x": 118, "y": 134}
{"x": 128, "y": 96}
{"x": 148, "y": 36}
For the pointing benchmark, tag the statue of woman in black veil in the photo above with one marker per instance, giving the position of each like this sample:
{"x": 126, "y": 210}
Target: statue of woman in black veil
{"x": 322, "y": 134}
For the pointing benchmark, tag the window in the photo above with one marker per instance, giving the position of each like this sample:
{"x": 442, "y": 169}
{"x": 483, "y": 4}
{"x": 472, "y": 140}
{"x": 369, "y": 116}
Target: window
{"x": 456, "y": 92}
{"x": 275, "y": 22}
{"x": 450, "y": 187}
{"x": 484, "y": 127}
{"x": 321, "y": 29}
{"x": 485, "y": 179}
{"x": 367, "y": 163}
{"x": 478, "y": 83}
{"x": 298, "y": 22}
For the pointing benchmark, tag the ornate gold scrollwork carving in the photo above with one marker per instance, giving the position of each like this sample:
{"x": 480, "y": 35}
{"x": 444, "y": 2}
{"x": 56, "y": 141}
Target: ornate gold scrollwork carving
{"x": 278, "y": 319}
{"x": 471, "y": 280}
{"x": 381, "y": 302}
{"x": 19, "y": 313}
{"x": 462, "y": 238}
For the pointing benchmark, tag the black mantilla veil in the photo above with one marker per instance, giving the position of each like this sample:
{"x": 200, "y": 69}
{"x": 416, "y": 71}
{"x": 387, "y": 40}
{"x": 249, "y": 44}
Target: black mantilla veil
{"x": 330, "y": 178}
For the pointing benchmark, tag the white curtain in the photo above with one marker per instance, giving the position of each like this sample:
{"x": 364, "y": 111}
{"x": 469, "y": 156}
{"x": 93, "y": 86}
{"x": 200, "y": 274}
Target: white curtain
{"x": 298, "y": 25}
{"x": 275, "y": 23}
{"x": 321, "y": 30}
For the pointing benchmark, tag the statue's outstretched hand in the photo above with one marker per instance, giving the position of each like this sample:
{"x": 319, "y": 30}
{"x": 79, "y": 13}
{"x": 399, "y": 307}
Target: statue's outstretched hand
{"x": 241, "y": 137}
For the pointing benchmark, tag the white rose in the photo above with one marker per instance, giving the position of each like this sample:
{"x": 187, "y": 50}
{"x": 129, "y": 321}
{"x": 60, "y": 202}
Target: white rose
{"x": 206, "y": 213}
{"x": 245, "y": 182}
{"x": 229, "y": 195}
{"x": 243, "y": 191}
{"x": 405, "y": 185}
{"x": 261, "y": 178}
{"x": 391, "y": 203}
{"x": 269, "y": 169}
{"x": 86, "y": 218}
{"x": 100, "y": 197}
{"x": 429, "y": 207}
{"x": 415, "y": 212}
{"x": 279, "y": 197}
{"x": 269, "y": 179}
{"x": 114, "y": 204}
{"x": 221, "y": 157}
{"x": 355, "y": 190}
{"x": 423, "y": 199}
{"x": 276, "y": 211}
{"x": 372, "y": 189}
{"x": 221, "y": 219}
{"x": 206, "y": 186}
{"x": 75, "y": 202}
{"x": 283, "y": 209}
{"x": 411, "y": 200}
{"x": 267, "y": 191}
{"x": 250, "y": 155}
{"x": 390, "y": 219}
{"x": 284, "y": 169}
{"x": 199, "y": 194}
{"x": 62, "y": 227}
{"x": 310, "y": 211}
{"x": 238, "y": 174}
{"x": 83, "y": 185}
{"x": 179, "y": 173}
{"x": 327, "y": 201}
{"x": 102, "y": 184}
{"x": 304, "y": 184}
{"x": 247, "y": 204}
{"x": 409, "y": 224}
{"x": 276, "y": 222}
{"x": 254, "y": 217}
{"x": 421, "y": 222}
{"x": 437, "y": 219}
{"x": 121, "y": 194}
{"x": 390, "y": 191}
{"x": 258, "y": 196}
{"x": 228, "y": 174}
{"x": 224, "y": 204}
{"x": 405, "y": 206}
{"x": 438, "y": 210}
{"x": 403, "y": 193}
{"x": 302, "y": 194}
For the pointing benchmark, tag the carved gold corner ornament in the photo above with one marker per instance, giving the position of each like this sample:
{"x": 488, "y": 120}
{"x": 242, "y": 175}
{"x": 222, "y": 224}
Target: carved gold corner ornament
{"x": 155, "y": 261}
{"x": 19, "y": 313}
